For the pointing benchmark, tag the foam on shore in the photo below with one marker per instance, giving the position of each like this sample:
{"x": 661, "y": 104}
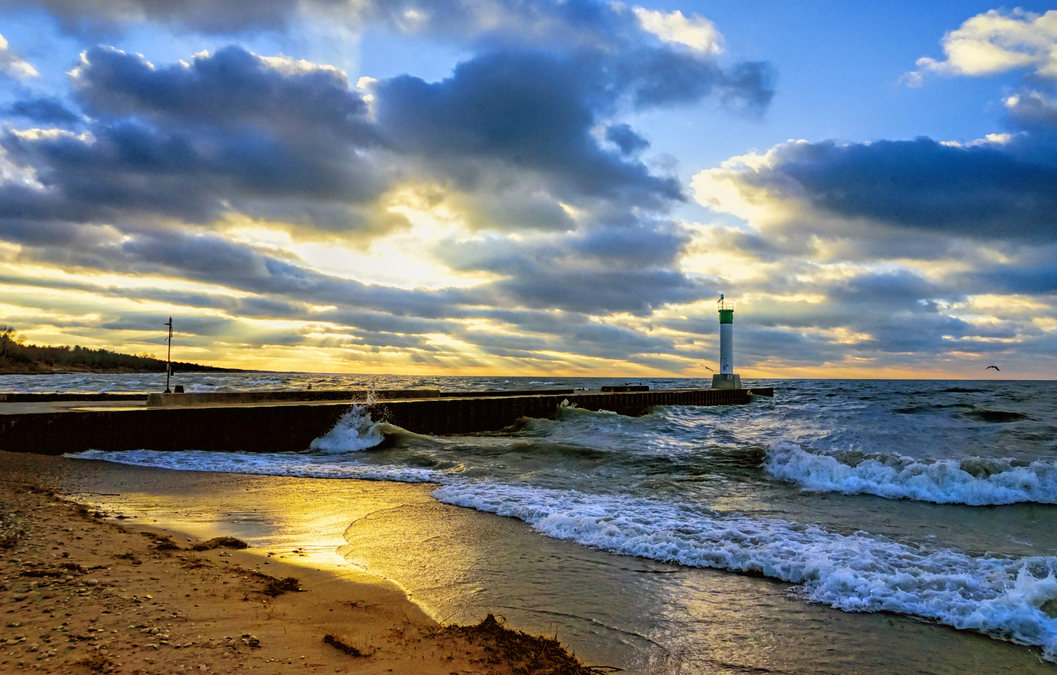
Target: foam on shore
{"x": 1001, "y": 597}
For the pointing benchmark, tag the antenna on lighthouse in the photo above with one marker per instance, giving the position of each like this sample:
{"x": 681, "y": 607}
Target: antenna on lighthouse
{"x": 726, "y": 378}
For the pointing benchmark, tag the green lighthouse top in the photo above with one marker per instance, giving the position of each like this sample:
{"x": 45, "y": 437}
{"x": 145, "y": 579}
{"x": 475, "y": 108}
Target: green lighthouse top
{"x": 726, "y": 310}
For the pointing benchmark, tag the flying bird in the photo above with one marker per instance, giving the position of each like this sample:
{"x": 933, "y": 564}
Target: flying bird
{"x": 709, "y": 369}
{"x": 995, "y": 367}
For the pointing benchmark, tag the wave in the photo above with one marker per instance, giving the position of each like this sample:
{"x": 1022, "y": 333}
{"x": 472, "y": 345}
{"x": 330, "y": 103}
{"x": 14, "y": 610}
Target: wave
{"x": 975, "y": 481}
{"x": 267, "y": 464}
{"x": 353, "y": 432}
{"x": 1004, "y": 598}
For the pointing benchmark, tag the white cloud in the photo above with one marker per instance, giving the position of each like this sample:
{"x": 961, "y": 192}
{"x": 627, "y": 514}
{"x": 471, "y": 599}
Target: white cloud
{"x": 989, "y": 140}
{"x": 290, "y": 66}
{"x": 996, "y": 42}
{"x": 13, "y": 65}
{"x": 726, "y": 190}
{"x": 696, "y": 32}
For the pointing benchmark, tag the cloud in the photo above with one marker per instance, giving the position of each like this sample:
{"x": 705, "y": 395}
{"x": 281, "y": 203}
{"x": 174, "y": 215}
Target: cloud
{"x": 43, "y": 110}
{"x": 13, "y": 65}
{"x": 510, "y": 119}
{"x": 995, "y": 191}
{"x": 626, "y": 139}
{"x": 528, "y": 112}
{"x": 605, "y": 270}
{"x": 917, "y": 254}
{"x": 194, "y": 141}
{"x": 497, "y": 23}
{"x": 1032, "y": 110}
{"x": 227, "y": 90}
{"x": 695, "y": 32}
{"x": 518, "y": 170}
{"x": 207, "y": 16}
{"x": 996, "y": 42}
{"x": 510, "y": 137}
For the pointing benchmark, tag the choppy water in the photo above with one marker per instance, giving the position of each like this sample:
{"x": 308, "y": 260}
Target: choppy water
{"x": 932, "y": 500}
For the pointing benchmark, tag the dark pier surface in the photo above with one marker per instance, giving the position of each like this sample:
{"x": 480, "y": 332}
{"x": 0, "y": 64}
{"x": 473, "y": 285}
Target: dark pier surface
{"x": 290, "y": 421}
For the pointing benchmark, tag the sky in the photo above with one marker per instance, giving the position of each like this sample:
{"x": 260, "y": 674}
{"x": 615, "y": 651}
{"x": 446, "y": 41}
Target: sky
{"x": 535, "y": 187}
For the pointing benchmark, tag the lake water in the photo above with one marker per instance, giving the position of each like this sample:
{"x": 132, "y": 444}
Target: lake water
{"x": 842, "y": 526}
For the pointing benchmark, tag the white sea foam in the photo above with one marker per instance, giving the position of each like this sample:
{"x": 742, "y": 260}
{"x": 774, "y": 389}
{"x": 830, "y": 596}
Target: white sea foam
{"x": 265, "y": 464}
{"x": 857, "y": 573}
{"x": 975, "y": 481}
{"x": 355, "y": 431}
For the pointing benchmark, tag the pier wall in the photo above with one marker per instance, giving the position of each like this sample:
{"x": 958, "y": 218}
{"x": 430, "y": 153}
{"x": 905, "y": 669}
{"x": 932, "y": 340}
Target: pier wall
{"x": 292, "y": 427}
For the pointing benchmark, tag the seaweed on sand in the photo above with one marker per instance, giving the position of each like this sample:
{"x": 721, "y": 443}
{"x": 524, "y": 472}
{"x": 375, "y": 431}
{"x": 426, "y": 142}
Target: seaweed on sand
{"x": 525, "y": 653}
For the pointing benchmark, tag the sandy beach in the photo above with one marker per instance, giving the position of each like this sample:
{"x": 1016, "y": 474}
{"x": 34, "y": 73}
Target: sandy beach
{"x": 84, "y": 593}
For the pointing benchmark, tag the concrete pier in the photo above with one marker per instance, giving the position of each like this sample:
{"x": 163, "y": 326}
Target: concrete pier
{"x": 282, "y": 423}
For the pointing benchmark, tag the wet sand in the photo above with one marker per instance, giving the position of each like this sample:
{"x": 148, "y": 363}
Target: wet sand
{"x": 83, "y": 593}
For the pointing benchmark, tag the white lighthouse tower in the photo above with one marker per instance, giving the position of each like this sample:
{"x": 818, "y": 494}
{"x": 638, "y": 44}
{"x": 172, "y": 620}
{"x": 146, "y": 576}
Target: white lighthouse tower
{"x": 726, "y": 378}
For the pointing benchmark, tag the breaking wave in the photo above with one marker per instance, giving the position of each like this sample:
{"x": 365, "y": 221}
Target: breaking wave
{"x": 975, "y": 481}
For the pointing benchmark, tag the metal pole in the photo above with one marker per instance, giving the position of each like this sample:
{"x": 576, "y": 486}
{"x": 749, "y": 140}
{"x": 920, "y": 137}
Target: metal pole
{"x": 168, "y": 358}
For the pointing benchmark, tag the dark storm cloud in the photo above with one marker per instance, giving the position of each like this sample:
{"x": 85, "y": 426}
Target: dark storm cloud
{"x": 535, "y": 111}
{"x": 209, "y": 326}
{"x": 626, "y": 139}
{"x": 584, "y": 338}
{"x": 599, "y": 271}
{"x": 228, "y": 89}
{"x": 893, "y": 290}
{"x": 192, "y": 141}
{"x": 637, "y": 292}
{"x": 637, "y": 246}
{"x": 663, "y": 77}
{"x": 207, "y": 16}
{"x": 279, "y": 139}
{"x": 528, "y": 111}
{"x": 987, "y": 192}
{"x": 43, "y": 110}
{"x": 1040, "y": 279}
{"x": 497, "y": 21}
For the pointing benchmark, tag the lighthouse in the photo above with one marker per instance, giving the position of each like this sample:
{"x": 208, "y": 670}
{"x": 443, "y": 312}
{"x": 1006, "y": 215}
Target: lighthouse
{"x": 726, "y": 378}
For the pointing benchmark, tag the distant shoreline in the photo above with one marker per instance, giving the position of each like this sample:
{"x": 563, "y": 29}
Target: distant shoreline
{"x": 19, "y": 358}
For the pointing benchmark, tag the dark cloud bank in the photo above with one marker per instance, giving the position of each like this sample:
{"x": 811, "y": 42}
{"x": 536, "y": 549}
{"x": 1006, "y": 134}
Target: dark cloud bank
{"x": 153, "y": 156}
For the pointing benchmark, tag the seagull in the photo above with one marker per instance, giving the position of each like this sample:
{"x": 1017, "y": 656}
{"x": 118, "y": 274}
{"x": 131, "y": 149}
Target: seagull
{"x": 709, "y": 369}
{"x": 995, "y": 367}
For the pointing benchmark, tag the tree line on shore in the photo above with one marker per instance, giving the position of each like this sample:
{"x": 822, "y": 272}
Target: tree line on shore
{"x": 16, "y": 356}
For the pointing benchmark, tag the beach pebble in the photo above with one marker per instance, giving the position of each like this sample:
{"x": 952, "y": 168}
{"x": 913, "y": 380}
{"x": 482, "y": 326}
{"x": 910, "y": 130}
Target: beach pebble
{"x": 92, "y": 582}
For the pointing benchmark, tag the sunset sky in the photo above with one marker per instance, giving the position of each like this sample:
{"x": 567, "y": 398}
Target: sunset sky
{"x": 531, "y": 187}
